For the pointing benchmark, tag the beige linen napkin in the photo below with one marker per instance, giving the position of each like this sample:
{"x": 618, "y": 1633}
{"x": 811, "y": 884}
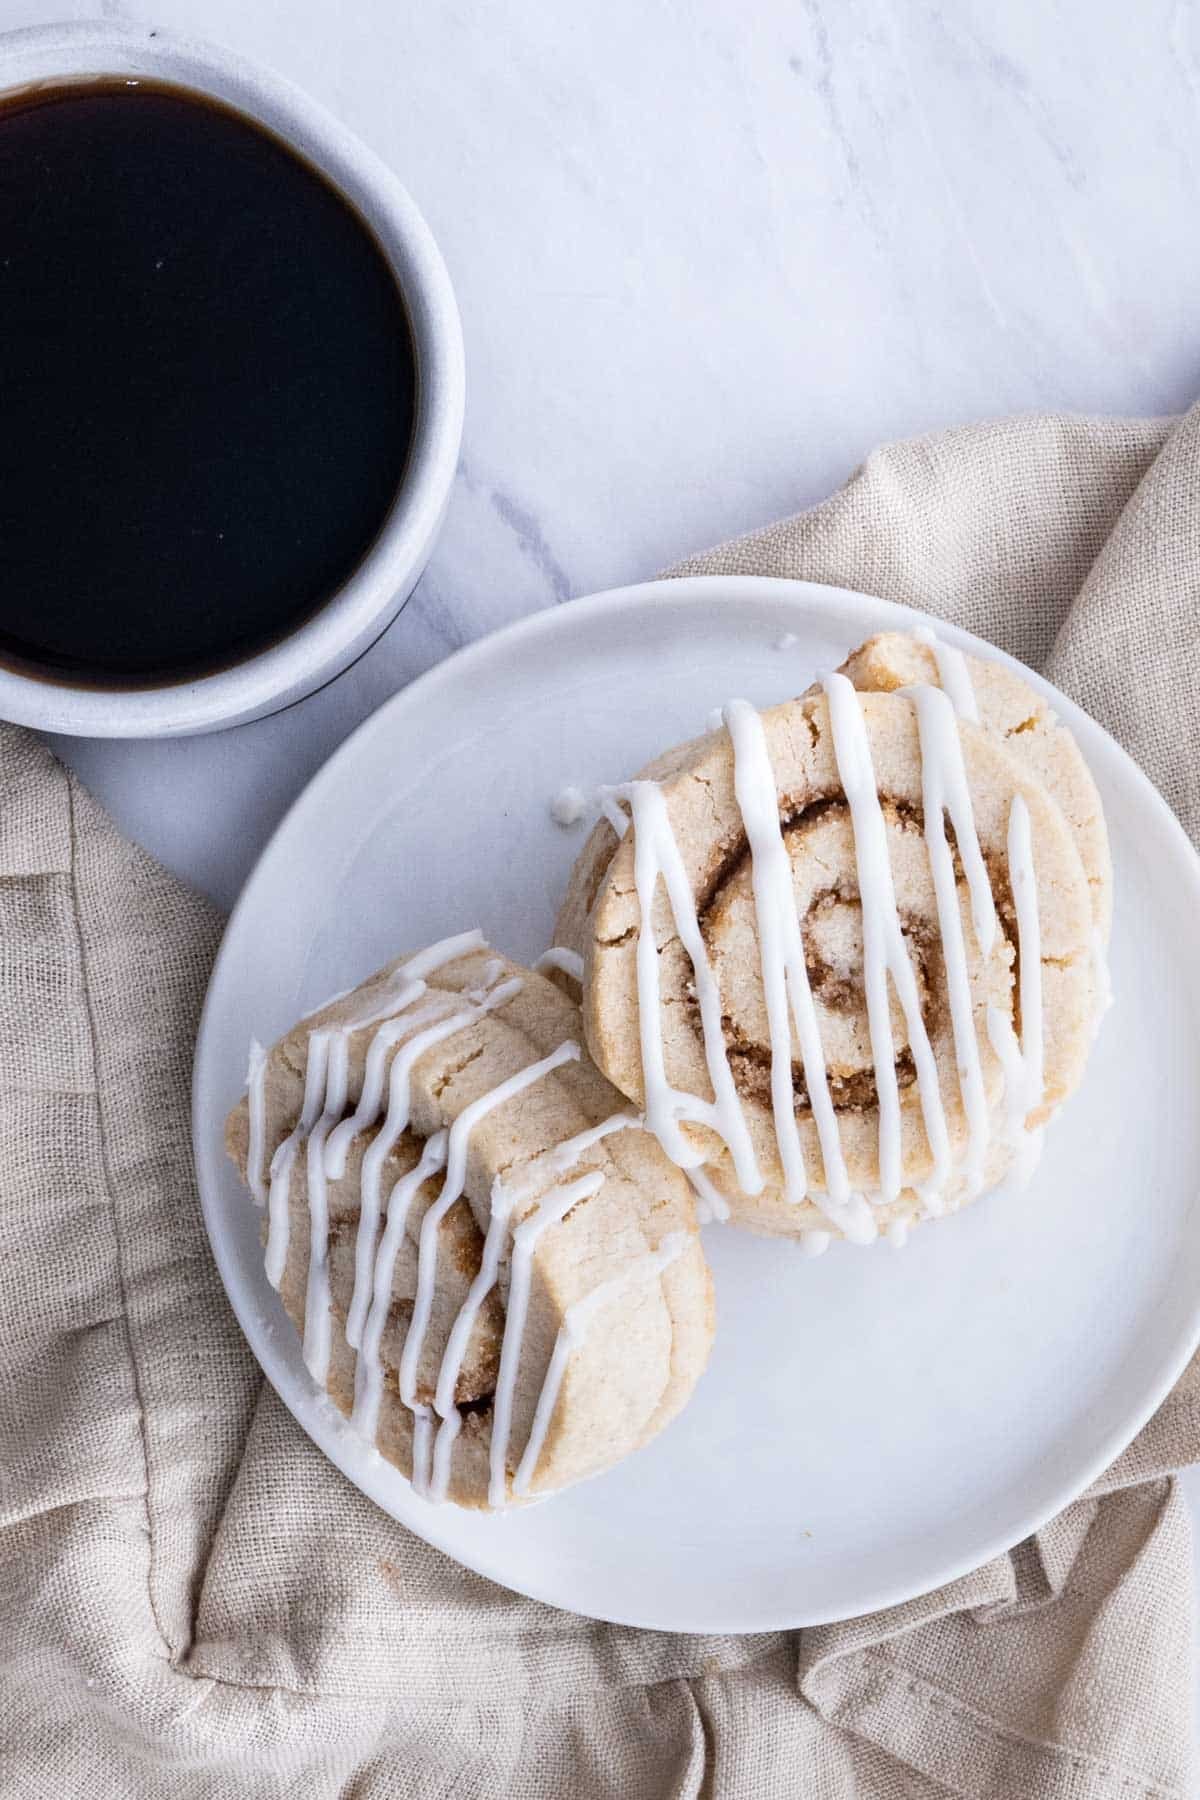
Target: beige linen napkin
{"x": 193, "y": 1602}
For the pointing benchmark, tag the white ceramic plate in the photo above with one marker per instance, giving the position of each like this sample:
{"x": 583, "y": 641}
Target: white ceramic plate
{"x": 871, "y": 1424}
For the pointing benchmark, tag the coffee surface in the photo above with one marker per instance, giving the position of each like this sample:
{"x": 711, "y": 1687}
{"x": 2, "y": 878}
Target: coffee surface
{"x": 207, "y": 384}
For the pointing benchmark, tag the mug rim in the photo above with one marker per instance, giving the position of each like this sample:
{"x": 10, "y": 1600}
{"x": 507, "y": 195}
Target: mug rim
{"x": 350, "y": 620}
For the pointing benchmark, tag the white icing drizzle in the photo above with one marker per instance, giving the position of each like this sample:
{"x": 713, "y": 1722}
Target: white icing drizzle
{"x": 256, "y": 1104}
{"x": 568, "y": 962}
{"x": 784, "y": 977}
{"x": 953, "y": 674}
{"x": 1101, "y": 977}
{"x": 452, "y": 1188}
{"x": 559, "y": 1204}
{"x": 281, "y": 1163}
{"x": 815, "y": 1243}
{"x": 1023, "y": 1080}
{"x": 317, "y": 1302}
{"x": 618, "y": 818}
{"x": 1029, "y": 942}
{"x": 477, "y": 1293}
{"x": 941, "y": 747}
{"x": 568, "y": 806}
{"x": 368, "y": 1385}
{"x": 573, "y": 1332}
{"x": 897, "y": 1233}
{"x": 944, "y": 788}
{"x": 326, "y": 1075}
{"x": 1022, "y": 1063}
{"x": 1019, "y": 1099}
{"x": 550, "y": 1210}
{"x": 370, "y": 1100}
{"x": 562, "y": 1157}
{"x": 443, "y": 1450}
{"x": 396, "y": 997}
{"x": 395, "y": 1018}
{"x": 436, "y": 956}
{"x": 885, "y": 953}
{"x": 712, "y": 1208}
{"x": 395, "y": 1122}
{"x": 422, "y": 1450}
{"x": 393, "y": 996}
{"x": 656, "y": 854}
{"x": 505, "y": 1197}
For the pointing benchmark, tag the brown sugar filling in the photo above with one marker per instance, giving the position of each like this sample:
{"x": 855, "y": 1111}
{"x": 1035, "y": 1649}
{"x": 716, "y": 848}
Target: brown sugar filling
{"x": 851, "y": 1088}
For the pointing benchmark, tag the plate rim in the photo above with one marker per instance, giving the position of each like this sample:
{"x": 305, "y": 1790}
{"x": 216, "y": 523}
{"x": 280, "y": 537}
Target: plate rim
{"x": 325, "y": 1427}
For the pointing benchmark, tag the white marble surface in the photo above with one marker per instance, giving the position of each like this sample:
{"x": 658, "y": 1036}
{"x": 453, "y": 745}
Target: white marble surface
{"x": 707, "y": 256}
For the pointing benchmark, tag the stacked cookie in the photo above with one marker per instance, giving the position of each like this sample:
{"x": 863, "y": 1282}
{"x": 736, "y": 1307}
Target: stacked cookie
{"x": 495, "y": 1270}
{"x": 839, "y": 964}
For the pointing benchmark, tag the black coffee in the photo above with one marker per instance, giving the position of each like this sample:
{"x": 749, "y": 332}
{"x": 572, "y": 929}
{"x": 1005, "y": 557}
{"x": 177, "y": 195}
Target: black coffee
{"x": 207, "y": 384}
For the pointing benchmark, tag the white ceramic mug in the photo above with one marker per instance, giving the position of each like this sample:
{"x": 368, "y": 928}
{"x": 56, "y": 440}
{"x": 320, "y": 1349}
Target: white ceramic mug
{"x": 355, "y": 615}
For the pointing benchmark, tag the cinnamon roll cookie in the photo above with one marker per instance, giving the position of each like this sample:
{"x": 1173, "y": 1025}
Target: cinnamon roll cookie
{"x": 844, "y": 954}
{"x": 495, "y": 1272}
